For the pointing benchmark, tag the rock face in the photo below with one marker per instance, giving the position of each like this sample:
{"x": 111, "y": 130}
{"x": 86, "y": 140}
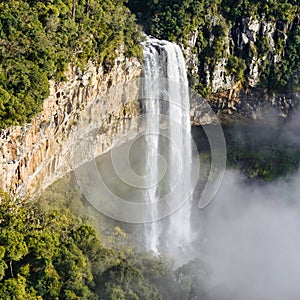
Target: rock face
{"x": 231, "y": 108}
{"x": 34, "y": 155}
{"x": 256, "y": 42}
{"x": 248, "y": 45}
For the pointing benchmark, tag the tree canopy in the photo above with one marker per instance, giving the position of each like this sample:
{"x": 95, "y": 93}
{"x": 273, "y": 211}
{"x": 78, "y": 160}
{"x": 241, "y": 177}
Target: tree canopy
{"x": 55, "y": 255}
{"x": 38, "y": 39}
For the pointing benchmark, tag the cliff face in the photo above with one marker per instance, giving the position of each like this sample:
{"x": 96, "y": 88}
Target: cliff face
{"x": 248, "y": 46}
{"x": 34, "y": 155}
{"x": 242, "y": 107}
{"x": 241, "y": 56}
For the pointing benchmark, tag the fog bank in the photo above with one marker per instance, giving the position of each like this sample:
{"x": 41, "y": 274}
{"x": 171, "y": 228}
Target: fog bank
{"x": 250, "y": 240}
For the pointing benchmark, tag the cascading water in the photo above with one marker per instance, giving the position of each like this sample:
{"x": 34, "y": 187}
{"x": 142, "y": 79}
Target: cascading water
{"x": 165, "y": 90}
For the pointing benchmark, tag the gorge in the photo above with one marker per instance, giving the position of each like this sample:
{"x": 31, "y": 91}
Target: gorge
{"x": 152, "y": 171}
{"x": 109, "y": 139}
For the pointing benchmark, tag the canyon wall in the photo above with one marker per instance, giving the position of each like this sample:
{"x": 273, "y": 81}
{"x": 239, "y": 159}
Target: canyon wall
{"x": 246, "y": 59}
{"x": 36, "y": 154}
{"x": 244, "y": 51}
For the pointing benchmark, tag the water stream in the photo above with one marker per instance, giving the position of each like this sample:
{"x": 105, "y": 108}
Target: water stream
{"x": 166, "y": 106}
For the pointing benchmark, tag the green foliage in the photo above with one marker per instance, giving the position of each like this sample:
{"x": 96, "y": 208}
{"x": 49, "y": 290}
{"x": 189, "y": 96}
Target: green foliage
{"x": 176, "y": 20}
{"x": 54, "y": 255}
{"x": 266, "y": 163}
{"x": 284, "y": 74}
{"x": 272, "y": 9}
{"x": 236, "y": 66}
{"x": 39, "y": 39}
{"x": 258, "y": 156}
{"x": 274, "y": 75}
{"x": 172, "y": 19}
{"x": 123, "y": 270}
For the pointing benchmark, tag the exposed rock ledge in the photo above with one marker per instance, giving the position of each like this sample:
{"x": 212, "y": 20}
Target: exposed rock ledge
{"x": 35, "y": 155}
{"x": 239, "y": 106}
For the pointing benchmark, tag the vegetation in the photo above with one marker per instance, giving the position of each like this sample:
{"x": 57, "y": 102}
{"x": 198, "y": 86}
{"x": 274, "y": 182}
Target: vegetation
{"x": 271, "y": 9}
{"x": 261, "y": 153}
{"x": 39, "y": 39}
{"x": 177, "y": 20}
{"x": 54, "y": 255}
{"x": 284, "y": 74}
{"x": 258, "y": 151}
{"x": 236, "y": 66}
{"x": 48, "y": 252}
{"x": 267, "y": 163}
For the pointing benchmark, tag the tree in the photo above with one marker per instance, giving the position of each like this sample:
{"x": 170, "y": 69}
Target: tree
{"x": 54, "y": 255}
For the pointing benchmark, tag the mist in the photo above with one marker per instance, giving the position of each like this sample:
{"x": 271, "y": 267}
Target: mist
{"x": 249, "y": 240}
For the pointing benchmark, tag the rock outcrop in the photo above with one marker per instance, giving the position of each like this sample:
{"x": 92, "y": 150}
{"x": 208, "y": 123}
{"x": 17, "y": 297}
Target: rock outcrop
{"x": 252, "y": 45}
{"x": 36, "y": 154}
{"x": 244, "y": 107}
{"x": 256, "y": 42}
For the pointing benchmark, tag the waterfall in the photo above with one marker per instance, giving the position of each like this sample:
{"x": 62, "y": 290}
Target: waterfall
{"x": 166, "y": 107}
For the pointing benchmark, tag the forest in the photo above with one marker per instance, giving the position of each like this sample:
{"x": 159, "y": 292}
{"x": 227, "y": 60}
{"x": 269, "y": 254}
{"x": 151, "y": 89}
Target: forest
{"x": 55, "y": 255}
{"x": 50, "y": 249}
{"x": 39, "y": 39}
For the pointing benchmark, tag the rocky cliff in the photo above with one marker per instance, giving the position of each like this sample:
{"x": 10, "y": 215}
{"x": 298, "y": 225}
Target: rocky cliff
{"x": 246, "y": 56}
{"x": 34, "y": 155}
{"x": 243, "y": 51}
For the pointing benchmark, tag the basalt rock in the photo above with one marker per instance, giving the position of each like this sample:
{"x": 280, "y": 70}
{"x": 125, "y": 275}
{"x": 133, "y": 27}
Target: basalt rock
{"x": 231, "y": 99}
{"x": 36, "y": 154}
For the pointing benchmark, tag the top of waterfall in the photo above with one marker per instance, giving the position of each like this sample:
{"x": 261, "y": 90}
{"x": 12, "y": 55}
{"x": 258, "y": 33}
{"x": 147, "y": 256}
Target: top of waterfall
{"x": 153, "y": 40}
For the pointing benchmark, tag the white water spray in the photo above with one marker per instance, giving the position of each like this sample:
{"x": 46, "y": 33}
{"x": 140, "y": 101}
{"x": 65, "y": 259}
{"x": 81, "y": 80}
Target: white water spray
{"x": 166, "y": 93}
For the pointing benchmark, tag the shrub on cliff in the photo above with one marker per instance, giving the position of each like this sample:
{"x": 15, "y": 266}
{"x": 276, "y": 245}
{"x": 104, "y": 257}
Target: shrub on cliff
{"x": 177, "y": 20}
